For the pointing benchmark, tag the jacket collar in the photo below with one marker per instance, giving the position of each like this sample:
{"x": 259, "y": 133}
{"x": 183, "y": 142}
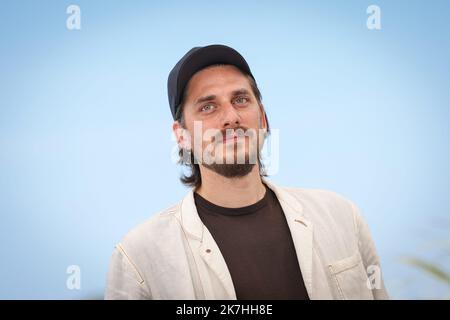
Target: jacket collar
{"x": 193, "y": 225}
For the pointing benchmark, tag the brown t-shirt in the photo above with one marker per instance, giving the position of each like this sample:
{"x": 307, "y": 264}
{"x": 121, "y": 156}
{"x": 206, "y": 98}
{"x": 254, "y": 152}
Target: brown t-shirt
{"x": 257, "y": 246}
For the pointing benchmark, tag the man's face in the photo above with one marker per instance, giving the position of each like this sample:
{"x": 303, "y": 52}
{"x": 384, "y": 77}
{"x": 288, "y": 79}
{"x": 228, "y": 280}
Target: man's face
{"x": 219, "y": 106}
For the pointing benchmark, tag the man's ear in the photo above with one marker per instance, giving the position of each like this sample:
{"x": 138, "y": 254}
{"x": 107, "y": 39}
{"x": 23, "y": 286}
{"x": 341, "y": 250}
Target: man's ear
{"x": 264, "y": 124}
{"x": 182, "y": 135}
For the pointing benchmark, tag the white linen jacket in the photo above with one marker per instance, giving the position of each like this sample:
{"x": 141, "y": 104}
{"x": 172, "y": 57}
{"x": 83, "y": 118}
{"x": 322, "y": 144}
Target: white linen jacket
{"x": 173, "y": 255}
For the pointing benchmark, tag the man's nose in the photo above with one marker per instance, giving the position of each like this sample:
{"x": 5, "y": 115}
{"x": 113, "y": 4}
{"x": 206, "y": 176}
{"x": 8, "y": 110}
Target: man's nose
{"x": 230, "y": 116}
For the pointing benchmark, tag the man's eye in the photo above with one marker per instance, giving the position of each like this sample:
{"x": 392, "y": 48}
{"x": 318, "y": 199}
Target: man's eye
{"x": 241, "y": 100}
{"x": 207, "y": 107}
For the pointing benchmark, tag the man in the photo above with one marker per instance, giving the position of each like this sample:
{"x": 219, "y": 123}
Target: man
{"x": 235, "y": 235}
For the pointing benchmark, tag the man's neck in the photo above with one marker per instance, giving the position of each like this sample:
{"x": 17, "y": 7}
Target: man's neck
{"x": 231, "y": 192}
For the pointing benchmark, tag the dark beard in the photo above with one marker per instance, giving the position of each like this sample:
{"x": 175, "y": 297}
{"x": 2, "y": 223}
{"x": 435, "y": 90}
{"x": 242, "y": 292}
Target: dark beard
{"x": 234, "y": 170}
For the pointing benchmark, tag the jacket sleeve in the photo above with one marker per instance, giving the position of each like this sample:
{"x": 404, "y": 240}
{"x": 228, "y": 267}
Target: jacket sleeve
{"x": 124, "y": 281}
{"x": 369, "y": 256}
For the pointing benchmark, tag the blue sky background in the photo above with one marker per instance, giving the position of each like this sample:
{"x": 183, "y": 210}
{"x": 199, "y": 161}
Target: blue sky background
{"x": 85, "y": 127}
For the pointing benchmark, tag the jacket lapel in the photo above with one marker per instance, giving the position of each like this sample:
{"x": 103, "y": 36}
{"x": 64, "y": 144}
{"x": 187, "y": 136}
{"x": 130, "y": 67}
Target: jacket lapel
{"x": 207, "y": 248}
{"x": 301, "y": 231}
{"x": 211, "y": 254}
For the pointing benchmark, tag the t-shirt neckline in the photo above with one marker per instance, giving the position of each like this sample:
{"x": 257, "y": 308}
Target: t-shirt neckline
{"x": 205, "y": 204}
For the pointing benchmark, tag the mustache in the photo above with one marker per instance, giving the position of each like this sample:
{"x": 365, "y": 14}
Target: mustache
{"x": 222, "y": 134}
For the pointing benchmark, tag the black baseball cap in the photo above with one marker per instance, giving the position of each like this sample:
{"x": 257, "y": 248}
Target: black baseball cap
{"x": 195, "y": 60}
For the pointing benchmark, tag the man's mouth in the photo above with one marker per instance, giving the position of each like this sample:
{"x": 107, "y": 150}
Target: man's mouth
{"x": 230, "y": 139}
